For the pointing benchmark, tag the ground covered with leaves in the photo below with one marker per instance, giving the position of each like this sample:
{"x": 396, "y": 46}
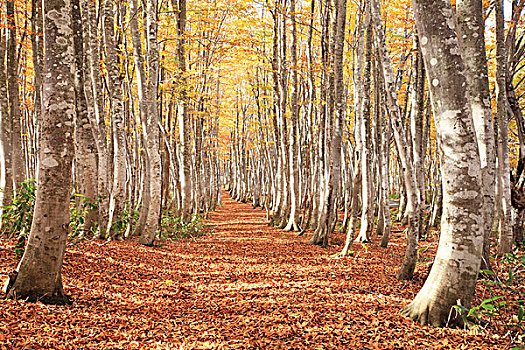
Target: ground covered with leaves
{"x": 244, "y": 285}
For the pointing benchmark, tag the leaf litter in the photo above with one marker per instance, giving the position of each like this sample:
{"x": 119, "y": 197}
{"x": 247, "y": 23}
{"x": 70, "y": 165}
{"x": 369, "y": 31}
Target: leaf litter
{"x": 244, "y": 286}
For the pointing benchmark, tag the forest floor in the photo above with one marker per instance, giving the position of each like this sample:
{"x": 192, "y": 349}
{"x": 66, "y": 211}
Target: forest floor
{"x": 244, "y": 285}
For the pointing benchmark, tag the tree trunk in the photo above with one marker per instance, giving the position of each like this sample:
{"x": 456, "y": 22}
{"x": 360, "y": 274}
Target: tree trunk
{"x": 17, "y": 155}
{"x": 155, "y": 166}
{"x": 142, "y": 92}
{"x": 294, "y": 121}
{"x": 118, "y": 188}
{"x": 471, "y": 27}
{"x": 366, "y": 142}
{"x": 6, "y": 171}
{"x": 336, "y": 103}
{"x": 85, "y": 151}
{"x": 184, "y": 118}
{"x": 407, "y": 168}
{"x": 39, "y": 272}
{"x": 503, "y": 168}
{"x": 458, "y": 257}
{"x": 98, "y": 118}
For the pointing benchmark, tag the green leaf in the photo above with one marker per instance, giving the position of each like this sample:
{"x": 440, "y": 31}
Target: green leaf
{"x": 489, "y": 300}
{"x": 487, "y": 306}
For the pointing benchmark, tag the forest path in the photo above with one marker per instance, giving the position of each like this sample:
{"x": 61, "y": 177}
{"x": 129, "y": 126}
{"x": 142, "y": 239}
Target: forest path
{"x": 245, "y": 285}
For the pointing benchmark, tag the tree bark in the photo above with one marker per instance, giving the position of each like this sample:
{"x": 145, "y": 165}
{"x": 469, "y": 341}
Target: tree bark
{"x": 184, "y": 117}
{"x": 6, "y": 171}
{"x": 452, "y": 279}
{"x": 118, "y": 188}
{"x": 39, "y": 272}
{"x": 97, "y": 118}
{"x": 155, "y": 166}
{"x": 294, "y": 121}
{"x": 17, "y": 155}
{"x": 85, "y": 150}
{"x": 505, "y": 240}
{"x": 471, "y": 29}
{"x": 407, "y": 168}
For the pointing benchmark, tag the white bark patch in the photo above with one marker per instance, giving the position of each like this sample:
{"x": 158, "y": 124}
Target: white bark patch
{"x": 467, "y": 194}
{"x": 49, "y": 162}
{"x": 435, "y": 82}
{"x": 62, "y": 20}
{"x": 474, "y": 172}
{"x": 450, "y": 18}
{"x": 455, "y": 51}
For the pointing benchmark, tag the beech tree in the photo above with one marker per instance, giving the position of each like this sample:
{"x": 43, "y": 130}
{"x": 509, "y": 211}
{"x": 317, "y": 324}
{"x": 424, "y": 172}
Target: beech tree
{"x": 505, "y": 240}
{"x": 402, "y": 142}
{"x": 17, "y": 157}
{"x": 38, "y": 276}
{"x": 452, "y": 279}
{"x": 471, "y": 28}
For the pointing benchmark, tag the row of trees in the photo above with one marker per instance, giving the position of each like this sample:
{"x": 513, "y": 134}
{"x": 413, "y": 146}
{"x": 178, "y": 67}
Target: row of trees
{"x": 103, "y": 122}
{"x": 336, "y": 124}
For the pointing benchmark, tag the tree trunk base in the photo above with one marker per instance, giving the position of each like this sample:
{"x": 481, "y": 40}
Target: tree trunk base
{"x": 406, "y": 272}
{"x": 58, "y": 298}
{"x": 424, "y": 313}
{"x": 319, "y": 238}
{"x": 362, "y": 238}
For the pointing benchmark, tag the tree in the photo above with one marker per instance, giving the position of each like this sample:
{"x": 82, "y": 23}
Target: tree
{"x": 184, "y": 116}
{"x": 38, "y": 275}
{"x": 334, "y": 114}
{"x": 85, "y": 150}
{"x": 6, "y": 172}
{"x": 294, "y": 122}
{"x": 471, "y": 27}
{"x": 452, "y": 279}
{"x": 17, "y": 156}
{"x": 152, "y": 127}
{"x": 118, "y": 188}
{"x": 502, "y": 142}
{"x": 402, "y": 142}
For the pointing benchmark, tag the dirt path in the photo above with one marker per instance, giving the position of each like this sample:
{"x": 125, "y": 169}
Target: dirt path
{"x": 246, "y": 285}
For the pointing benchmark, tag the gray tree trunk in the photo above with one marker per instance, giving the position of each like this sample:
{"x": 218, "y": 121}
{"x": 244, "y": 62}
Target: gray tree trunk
{"x": 294, "y": 121}
{"x": 142, "y": 92}
{"x": 97, "y": 118}
{"x": 458, "y": 257}
{"x": 184, "y": 117}
{"x": 471, "y": 28}
{"x": 366, "y": 142}
{"x": 85, "y": 150}
{"x": 407, "y": 166}
{"x": 39, "y": 272}
{"x": 505, "y": 240}
{"x": 155, "y": 166}
{"x": 17, "y": 155}
{"x": 6, "y": 172}
{"x": 118, "y": 188}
